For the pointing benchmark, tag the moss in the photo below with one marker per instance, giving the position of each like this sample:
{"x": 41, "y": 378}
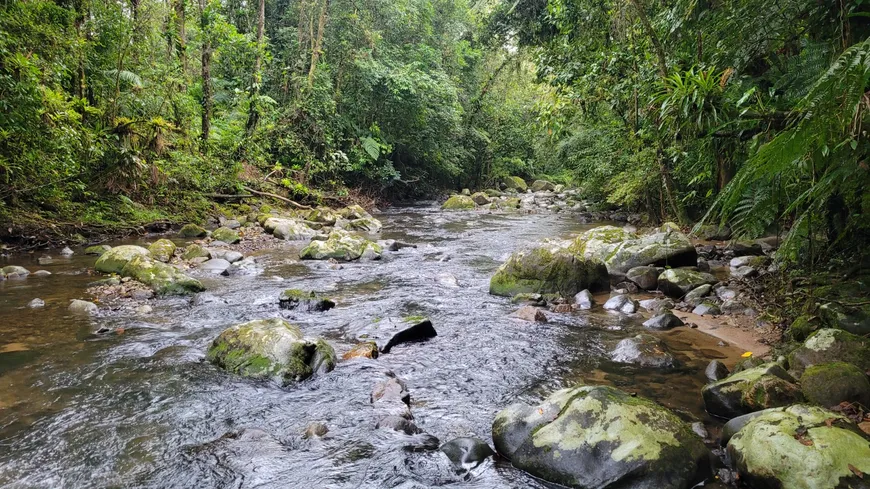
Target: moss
{"x": 414, "y": 319}
{"x": 803, "y": 327}
{"x": 192, "y": 231}
{"x": 244, "y": 209}
{"x": 97, "y": 250}
{"x": 266, "y": 209}
{"x": 459, "y": 202}
{"x": 226, "y": 235}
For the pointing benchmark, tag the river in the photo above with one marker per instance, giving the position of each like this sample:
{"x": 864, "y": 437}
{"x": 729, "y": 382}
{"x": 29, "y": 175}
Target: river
{"x": 139, "y": 406}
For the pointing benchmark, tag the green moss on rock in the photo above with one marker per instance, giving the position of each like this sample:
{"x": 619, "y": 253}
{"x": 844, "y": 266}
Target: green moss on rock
{"x": 829, "y": 384}
{"x": 192, "y": 231}
{"x": 831, "y": 345}
{"x": 547, "y": 270}
{"x": 340, "y": 245}
{"x": 515, "y": 183}
{"x": 162, "y": 278}
{"x": 114, "y": 260}
{"x": 226, "y": 235}
{"x": 162, "y": 250}
{"x": 754, "y": 389}
{"x": 458, "y": 202}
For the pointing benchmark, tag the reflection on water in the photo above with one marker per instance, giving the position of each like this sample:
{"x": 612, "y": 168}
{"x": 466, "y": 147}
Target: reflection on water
{"x": 139, "y": 408}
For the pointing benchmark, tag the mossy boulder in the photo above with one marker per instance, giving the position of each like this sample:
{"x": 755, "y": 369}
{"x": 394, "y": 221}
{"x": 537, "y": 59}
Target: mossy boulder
{"x": 288, "y": 229}
{"x": 515, "y": 183}
{"x": 851, "y": 319}
{"x": 354, "y": 211}
{"x": 480, "y": 198}
{"x": 599, "y": 436}
{"x": 829, "y": 384}
{"x": 340, "y": 245}
{"x": 754, "y": 389}
{"x": 831, "y": 345}
{"x": 162, "y": 250}
{"x": 15, "y": 271}
{"x": 646, "y": 277}
{"x": 621, "y": 250}
{"x": 543, "y": 186}
{"x": 712, "y": 232}
{"x": 323, "y": 215}
{"x": 192, "y": 231}
{"x": 548, "y": 270}
{"x": 458, "y": 202}
{"x": 677, "y": 282}
{"x": 270, "y": 349}
{"x": 114, "y": 260}
{"x": 509, "y": 203}
{"x": 801, "y": 447}
{"x": 226, "y": 235}
{"x": 162, "y": 278}
{"x": 97, "y": 249}
{"x": 803, "y": 327}
{"x": 304, "y": 300}
{"x": 195, "y": 251}
{"x": 363, "y": 224}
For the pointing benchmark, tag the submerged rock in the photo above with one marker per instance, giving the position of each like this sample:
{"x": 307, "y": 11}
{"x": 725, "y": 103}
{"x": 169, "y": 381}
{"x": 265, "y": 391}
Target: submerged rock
{"x": 467, "y": 453}
{"x": 829, "y": 384}
{"x": 14, "y": 271}
{"x": 315, "y": 430}
{"x": 36, "y": 303}
{"x": 307, "y": 301}
{"x": 270, "y": 349}
{"x": 368, "y": 349}
{"x": 644, "y": 350}
{"x": 192, "y": 231}
{"x": 162, "y": 250}
{"x": 599, "y": 436}
{"x": 340, "y": 245}
{"x": 801, "y": 447}
{"x": 458, "y": 202}
{"x": 754, "y": 389}
{"x": 530, "y": 313}
{"x": 547, "y": 270}
{"x": 82, "y": 307}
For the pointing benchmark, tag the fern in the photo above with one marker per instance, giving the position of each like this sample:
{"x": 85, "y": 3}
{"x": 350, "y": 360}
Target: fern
{"x": 125, "y": 76}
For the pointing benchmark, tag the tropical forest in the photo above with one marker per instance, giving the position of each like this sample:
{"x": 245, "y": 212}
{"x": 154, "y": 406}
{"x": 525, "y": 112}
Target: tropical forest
{"x": 435, "y": 243}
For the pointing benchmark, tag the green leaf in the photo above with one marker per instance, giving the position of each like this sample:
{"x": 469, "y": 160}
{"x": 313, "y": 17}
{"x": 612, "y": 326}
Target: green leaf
{"x": 371, "y": 147}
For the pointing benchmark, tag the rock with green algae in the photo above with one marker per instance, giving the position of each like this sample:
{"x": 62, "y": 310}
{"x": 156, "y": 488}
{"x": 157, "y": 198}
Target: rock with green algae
{"x": 97, "y": 249}
{"x": 162, "y": 278}
{"x": 354, "y": 211}
{"x": 509, "y": 203}
{"x": 515, "y": 183}
{"x": 304, "y": 300}
{"x": 548, "y": 269}
{"x": 323, "y": 215}
{"x": 852, "y": 319}
{"x": 804, "y": 326}
{"x": 829, "y": 384}
{"x": 599, "y": 436}
{"x": 621, "y": 250}
{"x": 480, "y": 198}
{"x": 226, "y": 235}
{"x": 192, "y": 231}
{"x": 288, "y": 229}
{"x": 678, "y": 282}
{"x": 195, "y": 251}
{"x": 114, "y": 260}
{"x": 340, "y": 245}
{"x": 458, "y": 202}
{"x": 754, "y": 389}
{"x": 831, "y": 345}
{"x": 162, "y": 250}
{"x": 11, "y": 271}
{"x": 543, "y": 186}
{"x": 363, "y": 224}
{"x": 801, "y": 447}
{"x": 271, "y": 349}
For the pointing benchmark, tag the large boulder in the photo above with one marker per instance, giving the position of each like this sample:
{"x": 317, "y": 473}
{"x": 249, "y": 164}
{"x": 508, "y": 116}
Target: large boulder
{"x": 853, "y": 320}
{"x": 515, "y": 183}
{"x": 114, "y": 260}
{"x": 363, "y": 224}
{"x": 226, "y": 235}
{"x": 599, "y": 436}
{"x": 548, "y": 270}
{"x": 644, "y": 350}
{"x": 270, "y": 349}
{"x": 677, "y": 282}
{"x": 162, "y": 278}
{"x": 15, "y": 271}
{"x": 646, "y": 277}
{"x": 192, "y": 231}
{"x": 340, "y": 245}
{"x": 754, "y": 389}
{"x": 621, "y": 250}
{"x": 288, "y": 229}
{"x": 831, "y": 345}
{"x": 480, "y": 198}
{"x": 162, "y": 250}
{"x": 829, "y": 384}
{"x": 801, "y": 447}
{"x": 543, "y": 186}
{"x": 458, "y": 202}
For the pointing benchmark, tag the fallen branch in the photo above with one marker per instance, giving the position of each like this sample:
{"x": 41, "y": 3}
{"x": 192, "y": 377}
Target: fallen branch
{"x": 274, "y": 196}
{"x": 228, "y": 196}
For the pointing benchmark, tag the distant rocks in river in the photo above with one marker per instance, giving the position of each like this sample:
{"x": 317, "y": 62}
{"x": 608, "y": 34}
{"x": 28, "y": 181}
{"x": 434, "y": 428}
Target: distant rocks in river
{"x": 341, "y": 245}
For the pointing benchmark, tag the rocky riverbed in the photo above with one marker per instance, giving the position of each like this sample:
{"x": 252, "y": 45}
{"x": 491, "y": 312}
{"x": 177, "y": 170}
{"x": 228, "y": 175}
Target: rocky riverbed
{"x": 339, "y": 348}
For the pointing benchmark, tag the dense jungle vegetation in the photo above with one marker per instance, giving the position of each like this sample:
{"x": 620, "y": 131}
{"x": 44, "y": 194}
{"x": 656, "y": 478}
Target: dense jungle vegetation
{"x": 746, "y": 112}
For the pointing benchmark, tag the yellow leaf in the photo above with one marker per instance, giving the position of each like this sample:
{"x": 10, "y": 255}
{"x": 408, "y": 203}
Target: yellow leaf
{"x": 747, "y": 354}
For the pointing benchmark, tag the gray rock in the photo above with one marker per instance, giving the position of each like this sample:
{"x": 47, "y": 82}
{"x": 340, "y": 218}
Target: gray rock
{"x": 657, "y": 305}
{"x": 141, "y": 295}
{"x": 647, "y": 278}
{"x": 621, "y": 303}
{"x": 706, "y": 309}
{"x": 584, "y": 299}
{"x": 308, "y": 301}
{"x": 14, "y": 271}
{"x": 36, "y": 303}
{"x": 232, "y": 224}
{"x": 678, "y": 282}
{"x": 225, "y": 254}
{"x": 400, "y": 424}
{"x": 467, "y": 453}
{"x": 696, "y": 295}
{"x": 83, "y": 307}
{"x": 754, "y": 389}
{"x": 644, "y": 350}
{"x": 66, "y": 251}
{"x": 727, "y": 293}
{"x": 744, "y": 273}
{"x": 41, "y": 273}
{"x": 716, "y": 370}
{"x": 217, "y": 266}
{"x": 663, "y": 322}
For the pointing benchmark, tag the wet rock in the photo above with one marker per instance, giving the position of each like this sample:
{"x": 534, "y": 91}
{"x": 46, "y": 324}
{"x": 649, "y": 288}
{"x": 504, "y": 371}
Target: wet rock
{"x": 226, "y": 235}
{"x": 41, "y": 273}
{"x": 400, "y": 424}
{"x": 14, "y": 271}
{"x": 82, "y": 307}
{"x": 677, "y": 282}
{"x": 744, "y": 273}
{"x": 589, "y": 436}
{"x": 480, "y": 198}
{"x": 716, "y": 370}
{"x": 340, "y": 245}
{"x": 657, "y": 305}
{"x": 206, "y": 298}
{"x": 647, "y": 278}
{"x": 192, "y": 231}
{"x": 393, "y": 245}
{"x": 621, "y": 250}
{"x": 247, "y": 266}
{"x": 758, "y": 388}
{"x": 747, "y": 363}
{"x": 458, "y": 202}
{"x": 392, "y": 389}
{"x": 195, "y": 251}
{"x": 543, "y": 186}
{"x": 368, "y": 349}
{"x": 829, "y": 384}
{"x": 369, "y": 254}
{"x": 228, "y": 255}
{"x": 644, "y": 350}
{"x": 561, "y": 308}
{"x": 736, "y": 424}
{"x": 144, "y": 309}
{"x": 627, "y": 287}
{"x": 114, "y": 260}
{"x": 45, "y": 260}
{"x": 162, "y": 278}
{"x": 141, "y": 294}
{"x": 162, "y": 250}
{"x": 696, "y": 295}
{"x": 515, "y": 183}
{"x": 217, "y": 266}
{"x": 663, "y": 322}
{"x": 801, "y": 447}
{"x": 270, "y": 349}
{"x": 66, "y": 251}
{"x": 97, "y": 249}
{"x": 711, "y": 232}
{"x": 621, "y": 303}
{"x": 584, "y": 300}
{"x": 831, "y": 345}
{"x": 304, "y": 300}
{"x": 707, "y": 309}
{"x": 467, "y": 453}
{"x": 421, "y": 331}
{"x": 36, "y": 303}
{"x": 530, "y": 313}
{"x": 315, "y": 430}
{"x": 548, "y": 270}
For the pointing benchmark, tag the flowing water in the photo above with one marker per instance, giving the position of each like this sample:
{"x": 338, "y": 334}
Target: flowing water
{"x": 139, "y": 406}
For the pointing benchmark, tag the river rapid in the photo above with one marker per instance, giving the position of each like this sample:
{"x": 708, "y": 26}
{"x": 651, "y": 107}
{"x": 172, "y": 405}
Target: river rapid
{"x": 139, "y": 407}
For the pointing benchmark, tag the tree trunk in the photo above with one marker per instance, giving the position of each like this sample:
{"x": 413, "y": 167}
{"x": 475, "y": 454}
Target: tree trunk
{"x": 660, "y": 52}
{"x": 318, "y": 42}
{"x": 206, "y": 72}
{"x": 181, "y": 46}
{"x": 254, "y": 114}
